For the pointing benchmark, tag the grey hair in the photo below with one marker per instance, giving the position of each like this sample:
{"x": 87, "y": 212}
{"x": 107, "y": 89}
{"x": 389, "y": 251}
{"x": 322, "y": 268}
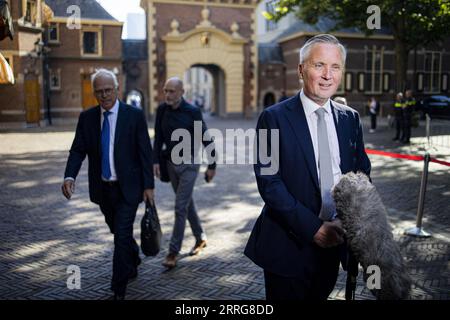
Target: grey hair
{"x": 321, "y": 38}
{"x": 104, "y": 72}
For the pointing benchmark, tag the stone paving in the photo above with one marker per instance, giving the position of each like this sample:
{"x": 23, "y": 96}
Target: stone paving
{"x": 42, "y": 234}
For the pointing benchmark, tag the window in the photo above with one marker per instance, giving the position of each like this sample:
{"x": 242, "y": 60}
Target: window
{"x": 91, "y": 42}
{"x": 348, "y": 81}
{"x": 432, "y": 71}
{"x": 30, "y": 8}
{"x": 53, "y": 33}
{"x": 361, "y": 82}
{"x": 444, "y": 83}
{"x": 270, "y": 8}
{"x": 374, "y": 69}
{"x": 55, "y": 79}
{"x": 386, "y": 82}
{"x": 419, "y": 85}
{"x": 340, "y": 89}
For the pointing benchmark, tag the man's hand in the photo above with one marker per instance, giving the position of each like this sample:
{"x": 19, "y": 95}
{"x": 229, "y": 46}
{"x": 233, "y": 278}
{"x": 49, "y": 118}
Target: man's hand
{"x": 68, "y": 188}
{"x": 156, "y": 171}
{"x": 330, "y": 234}
{"x": 149, "y": 195}
{"x": 209, "y": 174}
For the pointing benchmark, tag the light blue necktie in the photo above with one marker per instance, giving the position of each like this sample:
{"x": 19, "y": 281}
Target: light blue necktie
{"x": 325, "y": 168}
{"x": 106, "y": 168}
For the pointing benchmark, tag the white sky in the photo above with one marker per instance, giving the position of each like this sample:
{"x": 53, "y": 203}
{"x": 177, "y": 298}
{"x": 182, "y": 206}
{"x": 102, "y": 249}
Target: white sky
{"x": 119, "y": 10}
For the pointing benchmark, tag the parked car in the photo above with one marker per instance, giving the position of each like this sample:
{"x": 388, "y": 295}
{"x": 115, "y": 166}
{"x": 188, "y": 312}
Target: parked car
{"x": 436, "y": 106}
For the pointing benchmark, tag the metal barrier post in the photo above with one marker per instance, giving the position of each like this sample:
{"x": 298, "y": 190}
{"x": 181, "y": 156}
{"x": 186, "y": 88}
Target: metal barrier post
{"x": 417, "y": 231}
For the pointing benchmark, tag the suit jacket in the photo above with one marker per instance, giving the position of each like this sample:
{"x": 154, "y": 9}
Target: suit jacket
{"x": 132, "y": 153}
{"x": 282, "y": 239}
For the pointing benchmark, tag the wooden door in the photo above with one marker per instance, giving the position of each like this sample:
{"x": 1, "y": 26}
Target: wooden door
{"x": 88, "y": 99}
{"x": 32, "y": 101}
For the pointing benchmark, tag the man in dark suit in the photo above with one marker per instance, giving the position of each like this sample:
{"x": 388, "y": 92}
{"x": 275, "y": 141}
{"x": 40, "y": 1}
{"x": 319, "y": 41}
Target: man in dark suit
{"x": 115, "y": 138}
{"x": 297, "y": 239}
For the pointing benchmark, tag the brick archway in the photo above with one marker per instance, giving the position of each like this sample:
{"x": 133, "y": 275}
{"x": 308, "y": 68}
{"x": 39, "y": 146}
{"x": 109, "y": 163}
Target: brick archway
{"x": 222, "y": 50}
{"x": 183, "y": 33}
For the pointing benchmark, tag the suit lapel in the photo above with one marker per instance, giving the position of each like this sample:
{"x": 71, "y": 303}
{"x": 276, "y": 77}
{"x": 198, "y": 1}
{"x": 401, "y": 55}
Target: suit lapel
{"x": 121, "y": 121}
{"x": 297, "y": 119}
{"x": 96, "y": 129}
{"x": 343, "y": 134}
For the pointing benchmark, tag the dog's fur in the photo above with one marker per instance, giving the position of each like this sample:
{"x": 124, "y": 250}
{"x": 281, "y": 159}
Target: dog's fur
{"x": 369, "y": 235}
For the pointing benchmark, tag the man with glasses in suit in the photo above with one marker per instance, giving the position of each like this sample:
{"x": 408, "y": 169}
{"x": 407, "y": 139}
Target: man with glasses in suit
{"x": 115, "y": 138}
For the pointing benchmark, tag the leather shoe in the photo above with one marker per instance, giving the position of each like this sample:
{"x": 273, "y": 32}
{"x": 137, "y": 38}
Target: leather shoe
{"x": 199, "y": 245}
{"x": 170, "y": 261}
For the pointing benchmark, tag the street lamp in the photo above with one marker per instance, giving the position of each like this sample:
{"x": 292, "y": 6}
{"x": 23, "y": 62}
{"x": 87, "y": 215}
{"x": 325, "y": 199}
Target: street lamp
{"x": 41, "y": 50}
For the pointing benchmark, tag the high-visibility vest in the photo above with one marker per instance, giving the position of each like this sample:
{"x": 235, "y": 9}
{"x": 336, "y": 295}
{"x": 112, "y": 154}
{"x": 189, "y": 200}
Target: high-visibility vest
{"x": 398, "y": 104}
{"x": 411, "y": 102}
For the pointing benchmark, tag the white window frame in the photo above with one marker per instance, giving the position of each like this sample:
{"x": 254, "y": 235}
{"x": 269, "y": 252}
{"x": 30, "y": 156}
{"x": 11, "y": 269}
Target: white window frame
{"x": 431, "y": 73}
{"x": 372, "y": 72}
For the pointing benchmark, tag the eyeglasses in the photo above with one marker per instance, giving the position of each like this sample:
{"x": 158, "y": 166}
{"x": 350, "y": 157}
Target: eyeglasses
{"x": 104, "y": 92}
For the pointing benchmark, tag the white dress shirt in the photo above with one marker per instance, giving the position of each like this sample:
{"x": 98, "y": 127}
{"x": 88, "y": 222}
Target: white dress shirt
{"x": 310, "y": 108}
{"x": 112, "y": 118}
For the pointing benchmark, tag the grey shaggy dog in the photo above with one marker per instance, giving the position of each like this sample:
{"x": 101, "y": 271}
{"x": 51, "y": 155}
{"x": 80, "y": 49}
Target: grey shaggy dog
{"x": 369, "y": 234}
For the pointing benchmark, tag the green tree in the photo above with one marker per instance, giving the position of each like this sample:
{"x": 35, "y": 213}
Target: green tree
{"x": 413, "y": 23}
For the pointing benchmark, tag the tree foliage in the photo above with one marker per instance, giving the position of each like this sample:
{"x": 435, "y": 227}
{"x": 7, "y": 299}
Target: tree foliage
{"x": 413, "y": 23}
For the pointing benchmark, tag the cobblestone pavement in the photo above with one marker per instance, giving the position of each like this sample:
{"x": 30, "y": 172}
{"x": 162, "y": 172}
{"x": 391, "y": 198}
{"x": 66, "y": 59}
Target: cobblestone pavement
{"x": 41, "y": 233}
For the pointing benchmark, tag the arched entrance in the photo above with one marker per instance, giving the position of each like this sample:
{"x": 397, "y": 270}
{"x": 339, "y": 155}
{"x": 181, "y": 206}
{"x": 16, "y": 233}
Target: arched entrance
{"x": 214, "y": 50}
{"x": 205, "y": 87}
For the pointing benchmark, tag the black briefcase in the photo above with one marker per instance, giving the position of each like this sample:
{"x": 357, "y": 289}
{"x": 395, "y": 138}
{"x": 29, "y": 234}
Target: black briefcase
{"x": 150, "y": 231}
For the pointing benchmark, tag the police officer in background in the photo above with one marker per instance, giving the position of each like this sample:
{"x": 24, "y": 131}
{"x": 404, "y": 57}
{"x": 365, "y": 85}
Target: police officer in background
{"x": 398, "y": 116}
{"x": 408, "y": 109}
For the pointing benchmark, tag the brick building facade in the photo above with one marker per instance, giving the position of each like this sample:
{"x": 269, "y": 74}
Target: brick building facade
{"x": 22, "y": 103}
{"x": 370, "y": 65}
{"x": 75, "y": 53}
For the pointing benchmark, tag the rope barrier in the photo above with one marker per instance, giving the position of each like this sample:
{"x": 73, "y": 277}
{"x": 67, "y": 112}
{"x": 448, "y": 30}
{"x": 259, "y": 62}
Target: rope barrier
{"x": 405, "y": 156}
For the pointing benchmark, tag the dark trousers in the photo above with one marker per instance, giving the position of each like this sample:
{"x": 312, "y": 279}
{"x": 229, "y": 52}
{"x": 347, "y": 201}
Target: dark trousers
{"x": 406, "y": 128}
{"x": 119, "y": 216}
{"x": 373, "y": 121}
{"x": 398, "y": 127}
{"x": 317, "y": 284}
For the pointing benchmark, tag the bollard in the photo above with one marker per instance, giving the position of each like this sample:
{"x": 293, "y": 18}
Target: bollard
{"x": 417, "y": 231}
